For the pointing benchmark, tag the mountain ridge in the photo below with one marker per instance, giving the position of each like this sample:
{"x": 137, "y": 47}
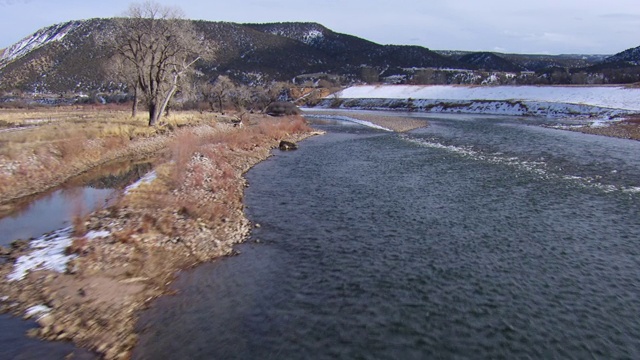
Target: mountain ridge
{"x": 68, "y": 57}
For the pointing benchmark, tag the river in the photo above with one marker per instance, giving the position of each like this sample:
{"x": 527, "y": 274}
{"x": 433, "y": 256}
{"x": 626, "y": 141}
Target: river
{"x": 477, "y": 237}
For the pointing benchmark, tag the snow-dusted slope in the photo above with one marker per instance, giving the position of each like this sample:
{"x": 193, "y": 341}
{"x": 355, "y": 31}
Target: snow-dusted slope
{"x": 600, "y": 96}
{"x": 38, "y": 39}
{"x": 603, "y": 102}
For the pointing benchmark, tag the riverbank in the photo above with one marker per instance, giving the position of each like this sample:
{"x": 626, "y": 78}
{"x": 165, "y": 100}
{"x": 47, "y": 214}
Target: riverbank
{"x": 627, "y": 128}
{"x": 88, "y": 283}
{"x": 46, "y": 147}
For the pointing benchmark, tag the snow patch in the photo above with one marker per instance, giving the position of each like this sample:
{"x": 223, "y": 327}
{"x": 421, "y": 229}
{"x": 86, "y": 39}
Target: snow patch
{"x": 311, "y": 36}
{"x": 615, "y": 97}
{"x": 349, "y": 119}
{"x": 97, "y": 234}
{"x": 48, "y": 253}
{"x": 146, "y": 179}
{"x": 40, "y": 310}
{"x": 35, "y": 41}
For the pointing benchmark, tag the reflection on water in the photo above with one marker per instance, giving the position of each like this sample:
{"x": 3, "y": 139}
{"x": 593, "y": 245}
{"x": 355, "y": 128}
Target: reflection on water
{"x": 34, "y": 216}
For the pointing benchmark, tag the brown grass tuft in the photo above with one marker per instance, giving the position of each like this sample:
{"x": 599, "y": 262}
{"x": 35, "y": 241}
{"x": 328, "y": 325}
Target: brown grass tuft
{"x": 78, "y": 246}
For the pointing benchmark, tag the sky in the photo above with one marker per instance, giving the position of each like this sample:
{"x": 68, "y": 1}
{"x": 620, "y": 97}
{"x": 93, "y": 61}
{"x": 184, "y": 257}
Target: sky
{"x": 511, "y": 26}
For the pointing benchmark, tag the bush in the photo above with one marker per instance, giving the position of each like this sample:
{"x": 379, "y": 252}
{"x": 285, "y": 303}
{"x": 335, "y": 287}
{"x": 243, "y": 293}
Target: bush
{"x": 282, "y": 108}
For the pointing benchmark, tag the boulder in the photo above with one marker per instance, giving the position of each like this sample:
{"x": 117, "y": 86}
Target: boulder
{"x": 287, "y": 145}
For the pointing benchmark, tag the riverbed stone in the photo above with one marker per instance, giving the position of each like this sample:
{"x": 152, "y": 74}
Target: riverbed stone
{"x": 46, "y": 320}
{"x": 287, "y": 146}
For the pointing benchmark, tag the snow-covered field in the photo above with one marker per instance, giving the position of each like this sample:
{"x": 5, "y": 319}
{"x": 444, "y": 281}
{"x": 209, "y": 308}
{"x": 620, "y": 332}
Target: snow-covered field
{"x": 601, "y": 96}
{"x": 552, "y": 101}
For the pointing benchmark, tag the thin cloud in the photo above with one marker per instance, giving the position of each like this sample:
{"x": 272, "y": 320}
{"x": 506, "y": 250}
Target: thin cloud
{"x": 620, "y": 16}
{"x": 13, "y": 2}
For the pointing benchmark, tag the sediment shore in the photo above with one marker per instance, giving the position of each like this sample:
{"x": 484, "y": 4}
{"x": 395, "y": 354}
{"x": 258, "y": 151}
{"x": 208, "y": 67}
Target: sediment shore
{"x": 628, "y": 128}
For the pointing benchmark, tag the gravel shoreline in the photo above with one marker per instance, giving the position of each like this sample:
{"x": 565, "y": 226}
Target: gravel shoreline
{"x": 628, "y": 128}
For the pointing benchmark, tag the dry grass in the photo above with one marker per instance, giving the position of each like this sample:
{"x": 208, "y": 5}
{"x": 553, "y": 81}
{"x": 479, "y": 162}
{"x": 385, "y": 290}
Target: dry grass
{"x": 57, "y": 142}
{"x": 203, "y": 181}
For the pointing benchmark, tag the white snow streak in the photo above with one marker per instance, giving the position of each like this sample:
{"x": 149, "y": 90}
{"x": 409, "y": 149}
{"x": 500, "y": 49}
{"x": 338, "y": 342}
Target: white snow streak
{"x": 40, "y": 310}
{"x": 146, "y": 179}
{"x": 38, "y": 39}
{"x": 349, "y": 119}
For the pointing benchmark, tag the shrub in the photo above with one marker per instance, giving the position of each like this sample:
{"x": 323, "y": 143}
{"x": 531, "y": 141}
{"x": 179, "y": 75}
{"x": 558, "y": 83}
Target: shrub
{"x": 282, "y": 108}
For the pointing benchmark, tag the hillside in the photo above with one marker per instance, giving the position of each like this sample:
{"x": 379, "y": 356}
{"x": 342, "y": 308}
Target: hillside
{"x": 532, "y": 62}
{"x": 629, "y": 56}
{"x": 490, "y": 61}
{"x": 69, "y": 58}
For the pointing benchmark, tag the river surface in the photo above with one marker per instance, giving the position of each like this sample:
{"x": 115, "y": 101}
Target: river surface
{"x": 36, "y": 215}
{"x": 477, "y": 237}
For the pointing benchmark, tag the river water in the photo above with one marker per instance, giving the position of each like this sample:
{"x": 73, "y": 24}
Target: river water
{"x": 36, "y": 215}
{"x": 477, "y": 237}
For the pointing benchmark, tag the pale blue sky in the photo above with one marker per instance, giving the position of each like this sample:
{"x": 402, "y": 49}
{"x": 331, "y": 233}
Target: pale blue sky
{"x": 536, "y": 26}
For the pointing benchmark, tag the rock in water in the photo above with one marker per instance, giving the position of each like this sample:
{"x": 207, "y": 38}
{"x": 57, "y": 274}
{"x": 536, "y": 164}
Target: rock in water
{"x": 287, "y": 145}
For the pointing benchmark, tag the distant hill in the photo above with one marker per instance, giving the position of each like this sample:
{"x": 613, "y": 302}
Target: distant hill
{"x": 623, "y": 67}
{"x": 352, "y": 50}
{"x": 68, "y": 58}
{"x": 628, "y": 57}
{"x": 533, "y": 62}
{"x": 490, "y": 61}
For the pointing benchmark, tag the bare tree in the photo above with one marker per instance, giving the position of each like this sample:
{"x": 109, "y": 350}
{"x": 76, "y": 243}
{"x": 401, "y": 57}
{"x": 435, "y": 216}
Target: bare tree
{"x": 125, "y": 74}
{"x": 240, "y": 97}
{"x": 160, "y": 49}
{"x": 270, "y": 93}
{"x": 221, "y": 89}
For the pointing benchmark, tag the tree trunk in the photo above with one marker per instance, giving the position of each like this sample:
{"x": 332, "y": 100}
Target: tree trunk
{"x": 168, "y": 96}
{"x": 134, "y": 107}
{"x": 153, "y": 114}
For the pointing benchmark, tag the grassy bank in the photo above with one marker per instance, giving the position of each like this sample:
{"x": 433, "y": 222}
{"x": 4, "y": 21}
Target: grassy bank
{"x": 127, "y": 254}
{"x": 41, "y": 149}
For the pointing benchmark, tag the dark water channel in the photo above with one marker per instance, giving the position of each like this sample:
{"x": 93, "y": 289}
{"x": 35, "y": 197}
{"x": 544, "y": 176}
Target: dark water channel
{"x": 474, "y": 238}
{"x": 35, "y": 216}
